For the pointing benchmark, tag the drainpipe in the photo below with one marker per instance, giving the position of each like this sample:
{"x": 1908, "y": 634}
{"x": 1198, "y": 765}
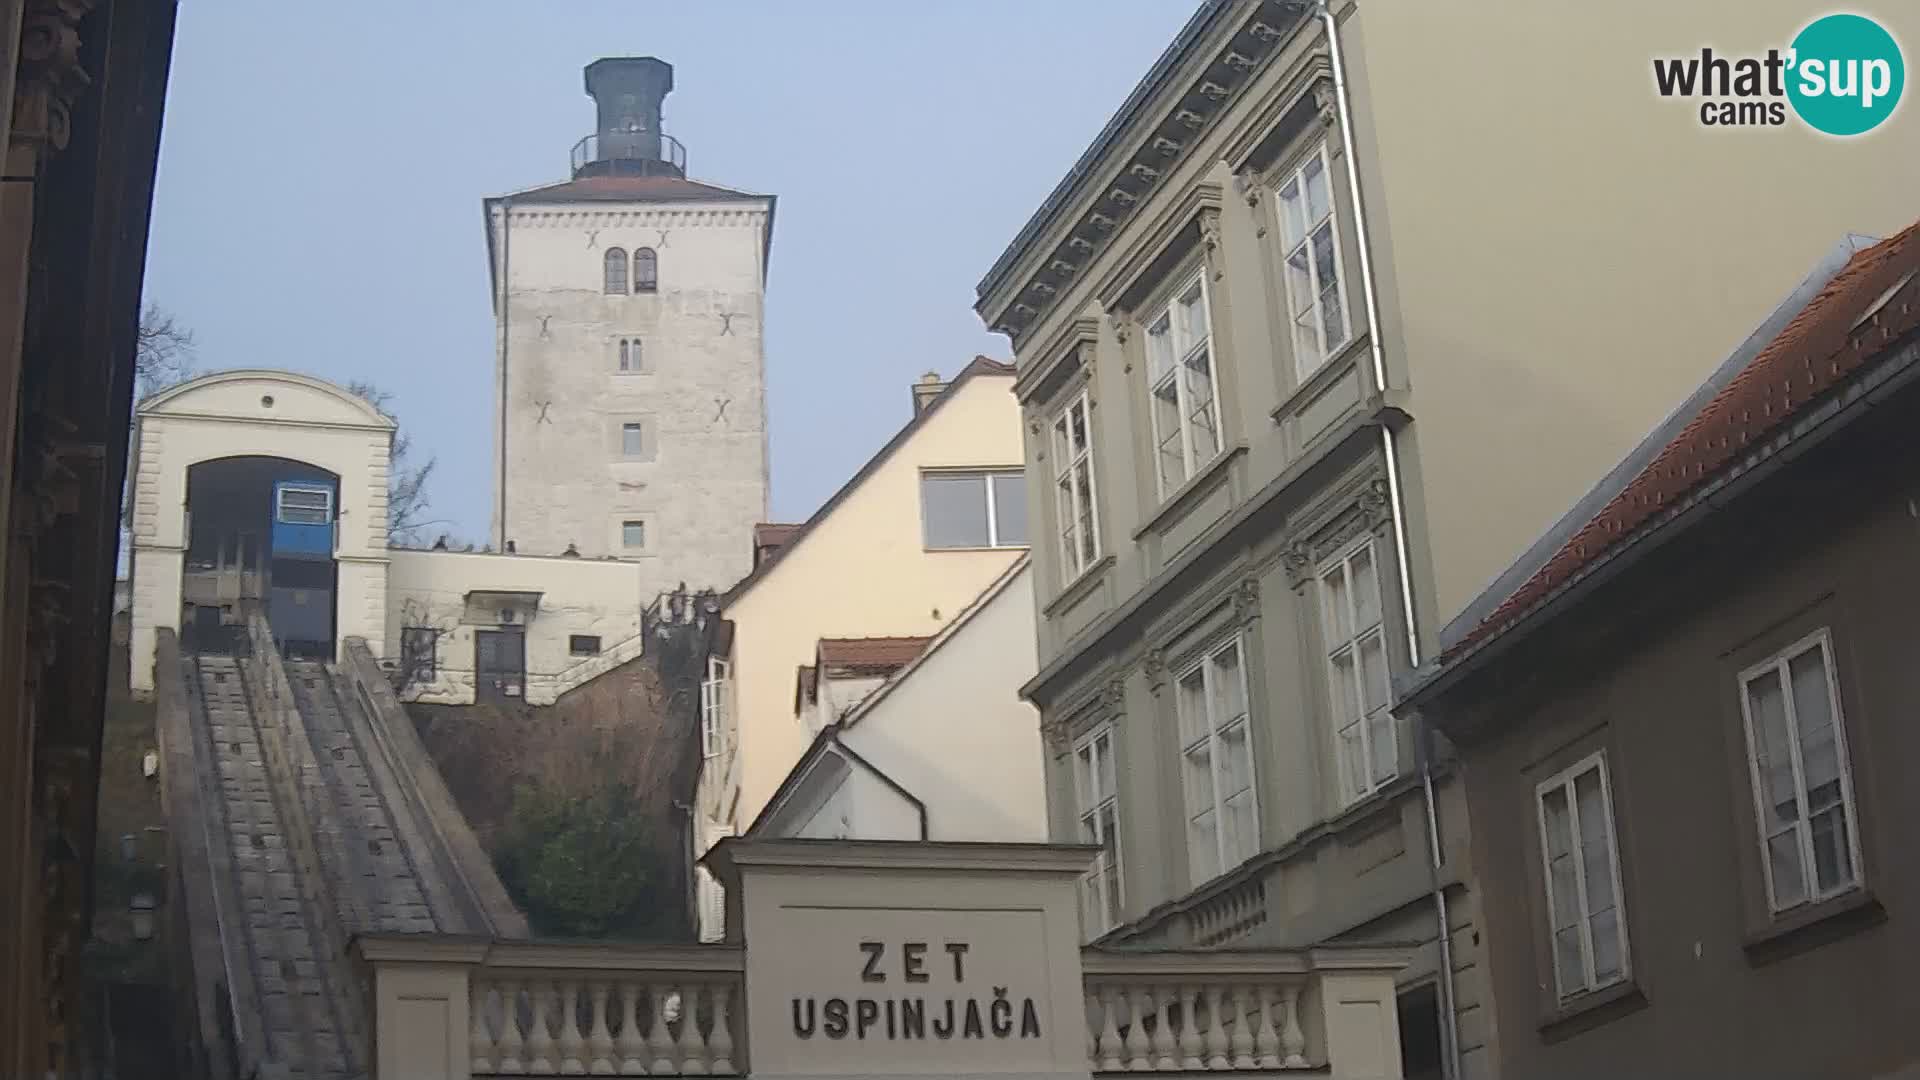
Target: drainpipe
{"x": 506, "y": 325}
{"x": 1450, "y": 1026}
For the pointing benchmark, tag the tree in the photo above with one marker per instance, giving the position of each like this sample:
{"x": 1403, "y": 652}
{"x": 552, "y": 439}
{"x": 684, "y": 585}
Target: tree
{"x": 407, "y": 480}
{"x": 582, "y": 863}
{"x": 163, "y": 353}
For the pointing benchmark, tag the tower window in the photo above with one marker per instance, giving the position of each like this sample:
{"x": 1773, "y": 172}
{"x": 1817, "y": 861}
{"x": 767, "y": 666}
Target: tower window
{"x": 615, "y": 283}
{"x": 632, "y": 440}
{"x": 633, "y": 535}
{"x": 629, "y": 354}
{"x": 646, "y": 270}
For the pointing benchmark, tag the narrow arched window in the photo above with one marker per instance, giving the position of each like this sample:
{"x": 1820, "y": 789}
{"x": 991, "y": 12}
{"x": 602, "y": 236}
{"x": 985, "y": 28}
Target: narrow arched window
{"x": 646, "y": 270}
{"x": 616, "y": 272}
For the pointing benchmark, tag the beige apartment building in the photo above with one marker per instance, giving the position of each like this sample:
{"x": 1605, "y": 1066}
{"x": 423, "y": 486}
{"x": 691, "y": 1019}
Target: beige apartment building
{"x": 1334, "y": 319}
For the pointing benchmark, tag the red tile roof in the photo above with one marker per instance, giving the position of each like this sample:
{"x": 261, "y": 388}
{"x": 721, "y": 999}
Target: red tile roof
{"x": 632, "y": 189}
{"x": 1816, "y": 351}
{"x": 873, "y": 654}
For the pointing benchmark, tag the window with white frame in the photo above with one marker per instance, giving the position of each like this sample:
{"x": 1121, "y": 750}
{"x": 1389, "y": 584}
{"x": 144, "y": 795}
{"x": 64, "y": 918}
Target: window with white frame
{"x": 1097, "y": 801}
{"x": 1073, "y": 486}
{"x": 1316, "y": 296}
{"x": 1366, "y": 740}
{"x": 1582, "y": 875}
{"x": 974, "y": 509}
{"x": 1802, "y": 787}
{"x": 716, "y": 708}
{"x": 305, "y": 505}
{"x": 633, "y": 442}
{"x": 1216, "y": 762}
{"x": 1180, "y": 376}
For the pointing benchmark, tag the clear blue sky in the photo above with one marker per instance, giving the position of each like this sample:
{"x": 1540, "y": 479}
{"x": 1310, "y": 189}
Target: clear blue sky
{"x": 322, "y": 167}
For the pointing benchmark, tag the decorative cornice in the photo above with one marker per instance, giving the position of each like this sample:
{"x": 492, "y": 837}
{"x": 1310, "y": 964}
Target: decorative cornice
{"x": 1298, "y": 560}
{"x": 1154, "y": 666}
{"x": 1326, "y": 102}
{"x": 1210, "y": 237}
{"x": 1246, "y": 601}
{"x": 1154, "y": 239}
{"x": 1134, "y": 171}
{"x": 1075, "y": 341}
{"x": 50, "y": 77}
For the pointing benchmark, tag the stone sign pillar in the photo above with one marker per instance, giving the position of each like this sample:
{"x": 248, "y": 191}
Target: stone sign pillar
{"x": 889, "y": 959}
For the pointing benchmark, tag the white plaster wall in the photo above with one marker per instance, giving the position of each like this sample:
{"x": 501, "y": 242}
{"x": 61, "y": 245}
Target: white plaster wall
{"x": 862, "y": 807}
{"x": 702, "y": 483}
{"x": 228, "y": 414}
{"x": 578, "y": 596}
{"x": 863, "y": 571}
{"x": 955, "y": 733}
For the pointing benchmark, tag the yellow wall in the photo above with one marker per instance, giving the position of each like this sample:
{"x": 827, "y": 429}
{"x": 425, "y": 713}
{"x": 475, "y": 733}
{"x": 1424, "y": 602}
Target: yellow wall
{"x": 1564, "y": 255}
{"x": 862, "y": 572}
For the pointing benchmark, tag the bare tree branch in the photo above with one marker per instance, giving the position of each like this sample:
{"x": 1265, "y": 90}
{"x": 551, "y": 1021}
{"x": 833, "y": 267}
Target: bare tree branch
{"x": 407, "y": 500}
{"x": 163, "y": 352}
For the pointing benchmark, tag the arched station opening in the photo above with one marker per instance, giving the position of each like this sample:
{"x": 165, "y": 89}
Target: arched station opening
{"x": 261, "y": 537}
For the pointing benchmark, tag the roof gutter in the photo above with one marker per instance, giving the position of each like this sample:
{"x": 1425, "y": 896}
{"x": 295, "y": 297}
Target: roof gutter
{"x": 1846, "y": 407}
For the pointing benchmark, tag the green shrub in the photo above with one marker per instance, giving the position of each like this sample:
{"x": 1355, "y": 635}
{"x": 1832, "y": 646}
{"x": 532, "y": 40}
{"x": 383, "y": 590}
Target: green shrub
{"x": 581, "y": 864}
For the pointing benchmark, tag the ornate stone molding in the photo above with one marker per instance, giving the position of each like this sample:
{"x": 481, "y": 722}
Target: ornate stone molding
{"x": 50, "y": 77}
{"x": 1210, "y": 238}
{"x": 1246, "y": 601}
{"x": 1298, "y": 560}
{"x": 1367, "y": 508}
{"x": 1376, "y": 503}
{"x": 1154, "y": 666}
{"x": 1113, "y": 696}
{"x": 1326, "y": 103}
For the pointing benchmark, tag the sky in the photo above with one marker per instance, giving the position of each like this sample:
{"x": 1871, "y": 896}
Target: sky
{"x": 322, "y": 165}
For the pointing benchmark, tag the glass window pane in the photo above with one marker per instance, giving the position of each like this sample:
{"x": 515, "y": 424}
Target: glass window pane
{"x": 1772, "y": 754}
{"x": 1605, "y": 929}
{"x": 615, "y": 272}
{"x": 1160, "y": 347}
{"x": 1193, "y": 316}
{"x": 1300, "y": 288}
{"x": 1319, "y": 204}
{"x": 1083, "y": 499}
{"x": 1832, "y": 853}
{"x": 1201, "y": 428}
{"x": 1010, "y": 509}
{"x": 1229, "y": 686}
{"x": 1292, "y": 226}
{"x": 1236, "y": 760}
{"x": 1345, "y": 689}
{"x": 1077, "y": 430}
{"x": 1062, "y": 448}
{"x": 631, "y": 443}
{"x": 1783, "y": 857}
{"x": 1196, "y": 779}
{"x": 1335, "y": 616}
{"x": 1203, "y": 848}
{"x": 1243, "y": 834}
{"x": 1333, "y": 317}
{"x": 1595, "y": 859}
{"x": 1170, "y": 448}
{"x": 1383, "y": 747}
{"x": 1567, "y": 966}
{"x": 633, "y": 534}
{"x": 1375, "y": 683}
{"x": 1306, "y": 343}
{"x": 1366, "y": 588}
{"x": 955, "y": 510}
{"x": 1192, "y": 707}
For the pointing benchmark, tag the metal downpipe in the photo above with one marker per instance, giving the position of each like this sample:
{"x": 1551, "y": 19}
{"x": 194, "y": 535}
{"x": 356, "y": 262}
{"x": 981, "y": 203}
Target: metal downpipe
{"x": 1450, "y": 1027}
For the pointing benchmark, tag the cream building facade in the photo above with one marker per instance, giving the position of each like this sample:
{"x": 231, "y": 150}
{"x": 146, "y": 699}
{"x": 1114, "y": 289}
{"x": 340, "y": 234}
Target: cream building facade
{"x": 944, "y": 750}
{"x": 1302, "y": 368}
{"x": 901, "y": 550}
{"x": 630, "y": 408}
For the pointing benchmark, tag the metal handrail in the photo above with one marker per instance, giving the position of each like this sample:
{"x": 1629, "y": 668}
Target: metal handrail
{"x": 629, "y": 146}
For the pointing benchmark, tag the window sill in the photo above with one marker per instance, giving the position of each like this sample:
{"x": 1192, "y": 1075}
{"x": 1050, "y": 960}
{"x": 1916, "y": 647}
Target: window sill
{"x": 1184, "y": 495}
{"x": 1814, "y": 925}
{"x": 1590, "y": 1010}
{"x": 1329, "y": 372}
{"x": 1080, "y": 586}
{"x": 983, "y": 547}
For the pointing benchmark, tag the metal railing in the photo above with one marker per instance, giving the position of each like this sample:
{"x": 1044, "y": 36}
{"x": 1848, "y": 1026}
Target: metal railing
{"x": 638, "y": 147}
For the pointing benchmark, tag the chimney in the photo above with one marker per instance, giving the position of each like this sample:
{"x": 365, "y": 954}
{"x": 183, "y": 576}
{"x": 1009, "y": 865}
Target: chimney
{"x": 627, "y": 92}
{"x": 929, "y": 387}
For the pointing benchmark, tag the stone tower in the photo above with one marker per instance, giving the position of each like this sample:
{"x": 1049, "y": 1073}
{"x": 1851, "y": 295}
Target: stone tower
{"x": 629, "y": 376}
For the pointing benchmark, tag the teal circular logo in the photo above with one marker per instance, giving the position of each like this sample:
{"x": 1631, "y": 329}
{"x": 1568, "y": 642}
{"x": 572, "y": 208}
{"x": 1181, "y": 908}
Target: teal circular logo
{"x": 1846, "y": 75}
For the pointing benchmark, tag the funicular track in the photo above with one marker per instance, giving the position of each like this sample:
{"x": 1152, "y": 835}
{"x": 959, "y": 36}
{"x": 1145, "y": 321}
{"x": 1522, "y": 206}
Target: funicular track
{"x": 285, "y": 978}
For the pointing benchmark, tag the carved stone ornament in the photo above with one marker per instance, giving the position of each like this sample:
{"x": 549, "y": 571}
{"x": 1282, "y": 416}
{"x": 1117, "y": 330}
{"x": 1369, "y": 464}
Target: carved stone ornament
{"x": 1154, "y": 666}
{"x": 1298, "y": 559}
{"x": 50, "y": 76}
{"x": 1053, "y": 729}
{"x": 1326, "y": 102}
{"x": 1376, "y": 503}
{"x": 1210, "y": 236}
{"x": 1246, "y": 601}
{"x": 1122, "y": 325}
{"x": 1113, "y": 697}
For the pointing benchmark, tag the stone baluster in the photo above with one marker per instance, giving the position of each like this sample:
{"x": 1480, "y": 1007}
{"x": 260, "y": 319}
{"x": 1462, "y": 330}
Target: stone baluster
{"x": 633, "y": 1047}
{"x": 481, "y": 1059}
{"x": 1266, "y": 1042}
{"x": 721, "y": 1041}
{"x": 1293, "y": 1041}
{"x": 693, "y": 1048}
{"x": 1110, "y": 1048}
{"x": 1190, "y": 1045}
{"x": 1163, "y": 1002}
{"x": 600, "y": 1041}
{"x": 660, "y": 1041}
{"x": 539, "y": 1038}
{"x": 1138, "y": 1007}
{"x": 572, "y": 1046}
{"x": 511, "y": 1060}
{"x": 1216, "y": 1028}
{"x": 1242, "y": 1039}
{"x": 1095, "y": 1013}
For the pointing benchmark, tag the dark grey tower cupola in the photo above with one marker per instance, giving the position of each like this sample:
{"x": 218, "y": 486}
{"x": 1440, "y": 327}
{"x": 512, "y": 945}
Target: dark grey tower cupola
{"x": 627, "y": 92}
